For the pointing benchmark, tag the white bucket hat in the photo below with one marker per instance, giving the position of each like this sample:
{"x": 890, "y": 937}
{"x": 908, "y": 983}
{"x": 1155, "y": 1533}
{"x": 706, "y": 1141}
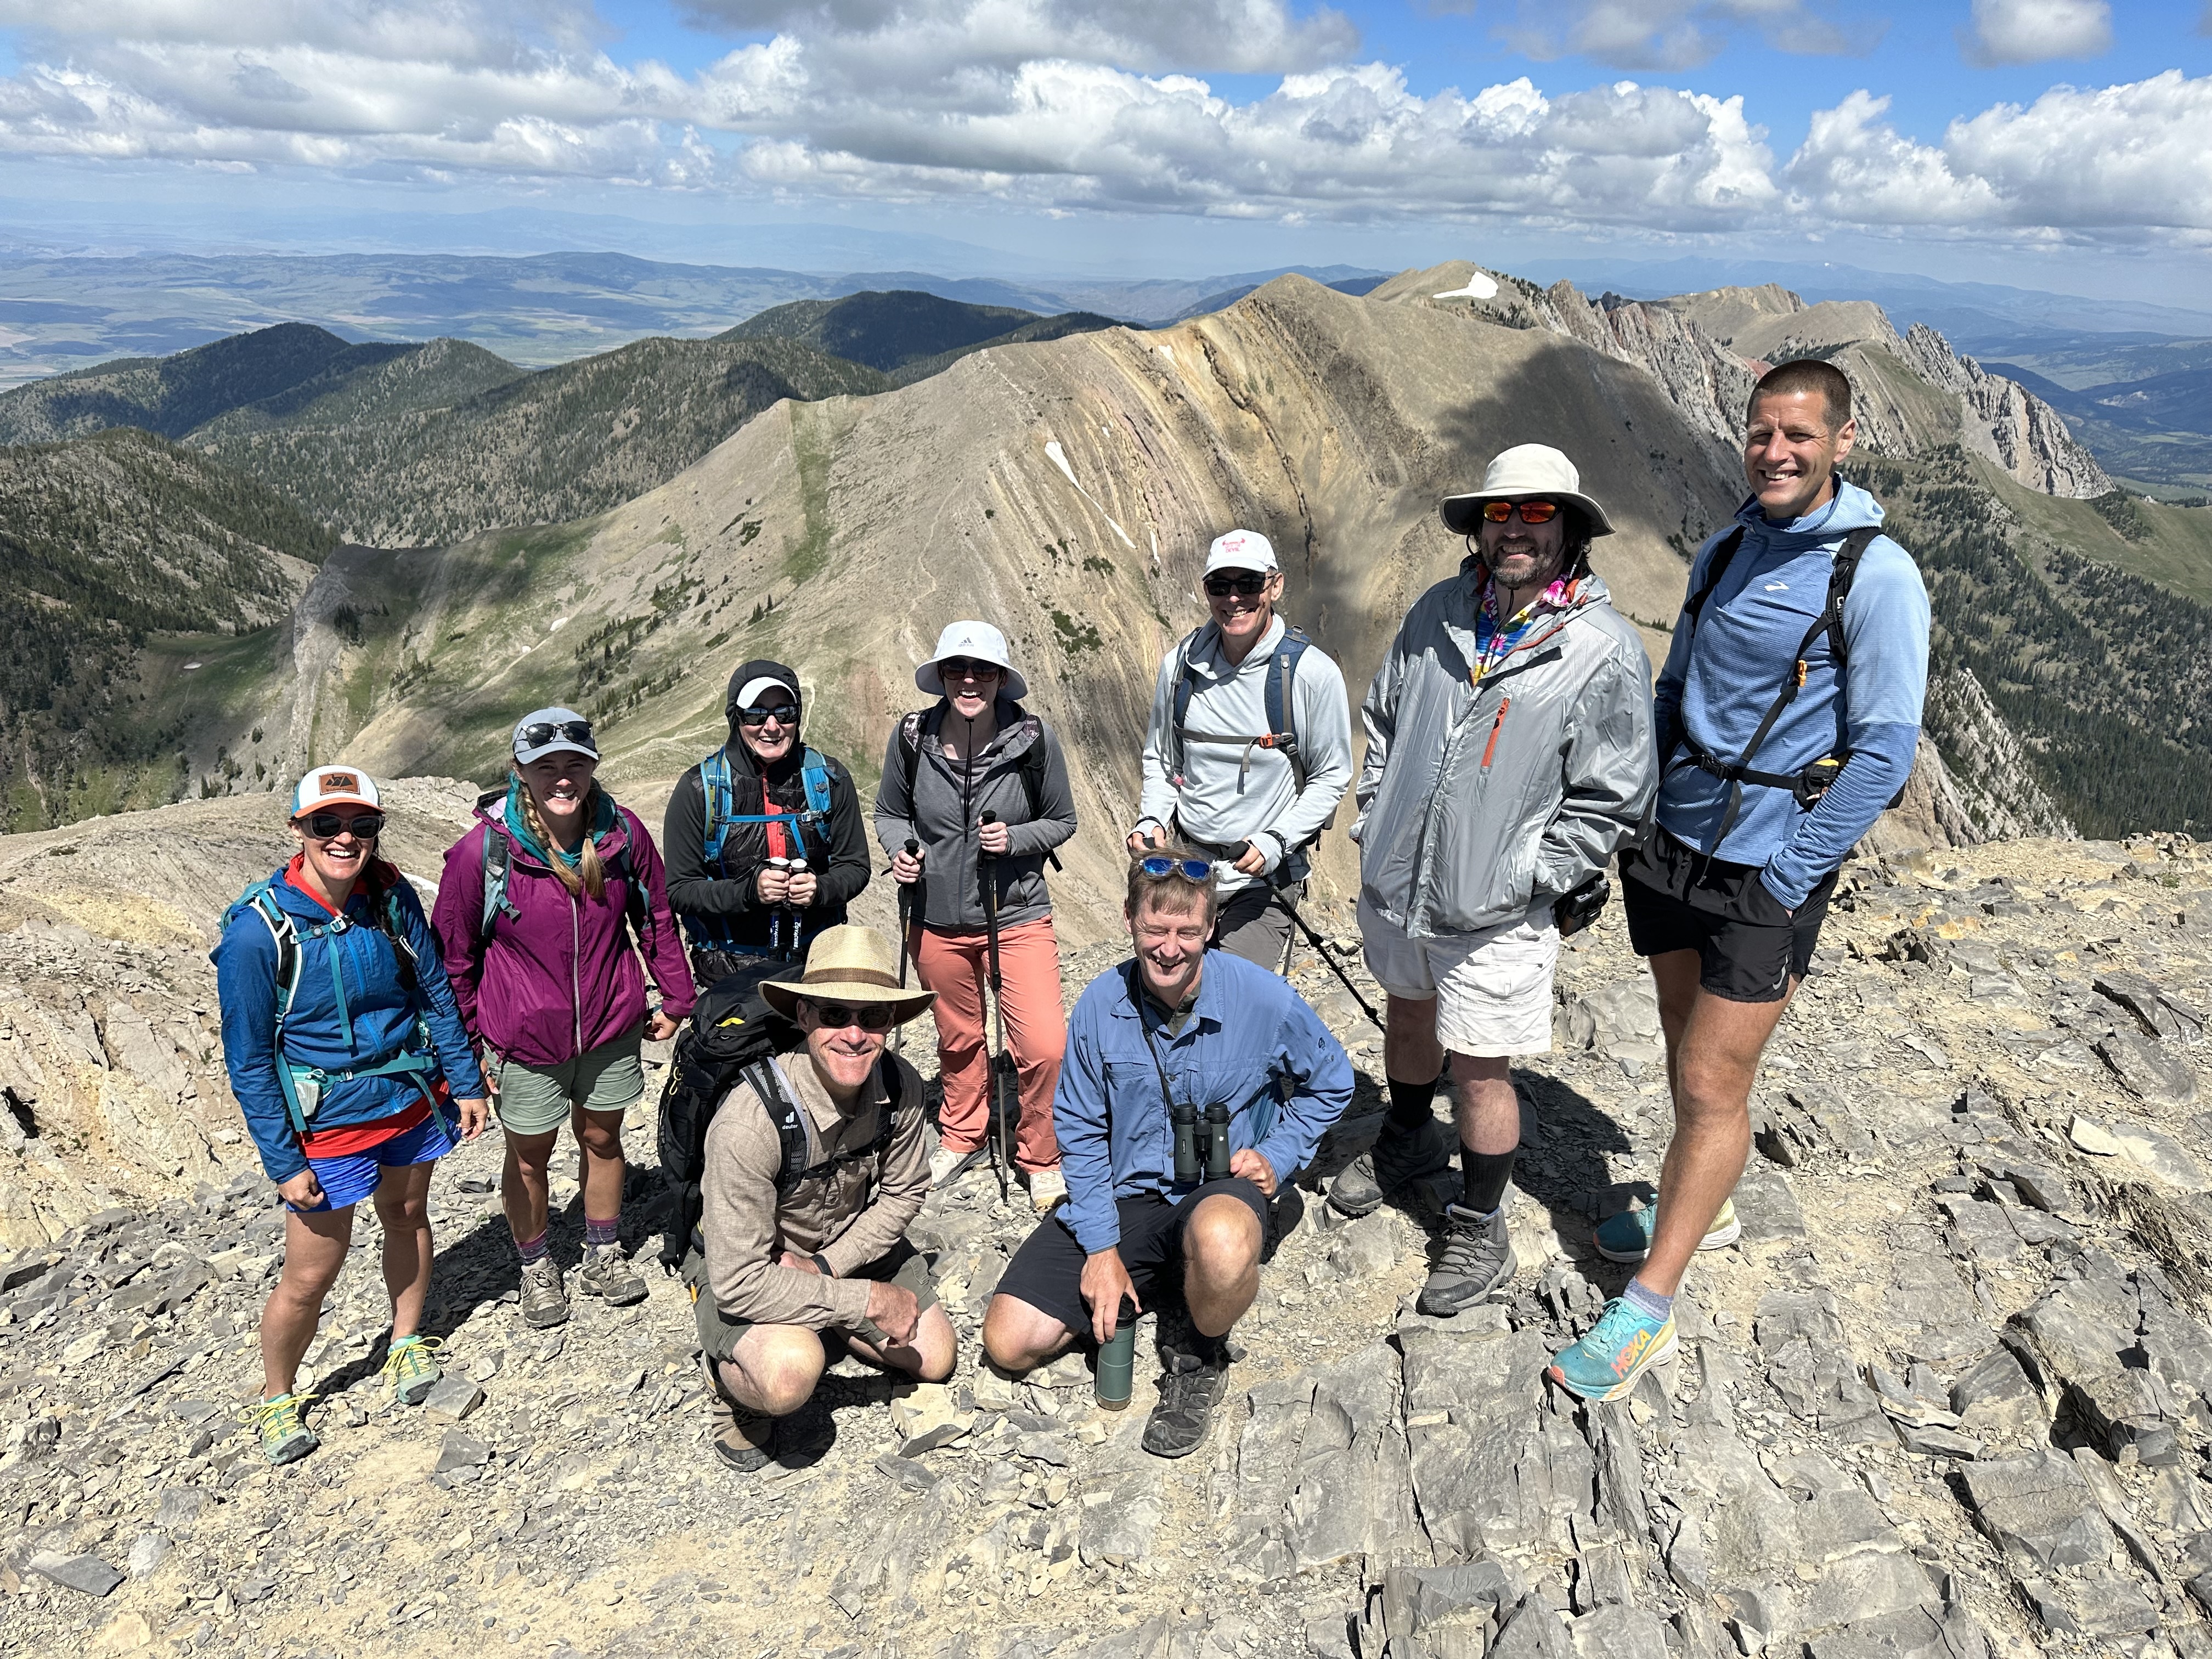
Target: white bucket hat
{"x": 975, "y": 640}
{"x": 1524, "y": 472}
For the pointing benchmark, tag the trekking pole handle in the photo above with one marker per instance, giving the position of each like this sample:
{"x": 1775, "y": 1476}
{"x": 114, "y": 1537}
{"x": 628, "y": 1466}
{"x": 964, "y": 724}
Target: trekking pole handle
{"x": 986, "y": 816}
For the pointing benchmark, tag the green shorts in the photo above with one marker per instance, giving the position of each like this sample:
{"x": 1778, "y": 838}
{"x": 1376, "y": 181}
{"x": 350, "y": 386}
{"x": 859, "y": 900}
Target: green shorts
{"x": 535, "y": 1099}
{"x": 901, "y": 1265}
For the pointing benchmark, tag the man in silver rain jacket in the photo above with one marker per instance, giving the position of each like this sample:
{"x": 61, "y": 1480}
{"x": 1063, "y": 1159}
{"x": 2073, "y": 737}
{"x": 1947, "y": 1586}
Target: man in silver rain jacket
{"x": 1509, "y": 753}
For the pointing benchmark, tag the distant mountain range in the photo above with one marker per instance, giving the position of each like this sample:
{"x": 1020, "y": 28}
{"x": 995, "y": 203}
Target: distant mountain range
{"x": 401, "y": 445}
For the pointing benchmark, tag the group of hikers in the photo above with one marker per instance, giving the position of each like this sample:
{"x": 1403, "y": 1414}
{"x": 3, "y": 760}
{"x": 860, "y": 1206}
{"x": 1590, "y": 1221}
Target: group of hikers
{"x": 1516, "y": 745}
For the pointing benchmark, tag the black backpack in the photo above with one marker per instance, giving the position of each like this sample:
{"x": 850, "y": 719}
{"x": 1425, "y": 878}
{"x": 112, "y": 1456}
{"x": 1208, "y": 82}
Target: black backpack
{"x": 734, "y": 1036}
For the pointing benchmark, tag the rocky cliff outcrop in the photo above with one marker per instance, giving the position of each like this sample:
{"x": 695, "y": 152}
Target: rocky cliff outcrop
{"x": 2006, "y": 422}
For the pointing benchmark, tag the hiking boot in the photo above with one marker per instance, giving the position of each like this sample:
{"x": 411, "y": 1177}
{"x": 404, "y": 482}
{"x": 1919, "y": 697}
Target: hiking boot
{"x": 544, "y": 1302}
{"x": 412, "y": 1369}
{"x": 1399, "y": 1157}
{"x": 946, "y": 1165}
{"x": 606, "y": 1272}
{"x": 1187, "y": 1393}
{"x": 276, "y": 1425}
{"x": 1624, "y": 1344}
{"x": 1048, "y": 1187}
{"x": 743, "y": 1439}
{"x": 1475, "y": 1257}
{"x": 1627, "y": 1237}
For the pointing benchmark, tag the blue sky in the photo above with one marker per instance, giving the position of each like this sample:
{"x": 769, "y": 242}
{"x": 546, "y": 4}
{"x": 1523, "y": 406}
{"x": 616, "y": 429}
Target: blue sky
{"x": 2050, "y": 143}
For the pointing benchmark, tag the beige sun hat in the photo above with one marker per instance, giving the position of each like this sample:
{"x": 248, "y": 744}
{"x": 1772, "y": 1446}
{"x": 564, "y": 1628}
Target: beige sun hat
{"x": 1524, "y": 472}
{"x": 850, "y": 963}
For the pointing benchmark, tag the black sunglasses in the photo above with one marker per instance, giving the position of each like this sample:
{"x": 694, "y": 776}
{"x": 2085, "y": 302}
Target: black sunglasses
{"x": 1245, "y": 584}
{"x": 785, "y": 713}
{"x": 836, "y": 1016}
{"x": 964, "y": 668}
{"x": 325, "y": 826}
{"x": 1196, "y": 870}
{"x": 543, "y": 731}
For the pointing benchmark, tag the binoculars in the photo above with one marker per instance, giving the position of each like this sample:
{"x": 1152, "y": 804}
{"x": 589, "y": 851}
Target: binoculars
{"x": 1201, "y": 1144}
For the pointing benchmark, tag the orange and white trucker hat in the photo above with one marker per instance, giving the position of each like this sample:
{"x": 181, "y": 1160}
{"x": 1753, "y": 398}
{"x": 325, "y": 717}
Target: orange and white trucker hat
{"x": 334, "y": 786}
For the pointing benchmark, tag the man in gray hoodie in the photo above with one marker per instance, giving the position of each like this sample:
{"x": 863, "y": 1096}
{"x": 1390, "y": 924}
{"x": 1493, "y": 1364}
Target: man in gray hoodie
{"x": 1509, "y": 753}
{"x": 1248, "y": 752}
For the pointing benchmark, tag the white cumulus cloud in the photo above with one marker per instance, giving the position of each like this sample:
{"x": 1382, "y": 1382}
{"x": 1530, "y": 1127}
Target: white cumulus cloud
{"x": 2034, "y": 31}
{"x": 1668, "y": 36}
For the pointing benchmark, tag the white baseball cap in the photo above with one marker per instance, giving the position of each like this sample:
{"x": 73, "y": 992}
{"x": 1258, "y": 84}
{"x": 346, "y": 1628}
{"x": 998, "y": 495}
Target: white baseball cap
{"x": 978, "y": 641}
{"x": 551, "y": 731}
{"x": 1240, "y": 549}
{"x": 335, "y": 786}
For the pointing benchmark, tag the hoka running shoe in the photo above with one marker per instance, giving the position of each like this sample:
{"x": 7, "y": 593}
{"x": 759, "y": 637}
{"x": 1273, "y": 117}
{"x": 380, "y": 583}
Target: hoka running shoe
{"x": 1627, "y": 1237}
{"x": 1624, "y": 1344}
{"x": 411, "y": 1368}
{"x": 276, "y": 1423}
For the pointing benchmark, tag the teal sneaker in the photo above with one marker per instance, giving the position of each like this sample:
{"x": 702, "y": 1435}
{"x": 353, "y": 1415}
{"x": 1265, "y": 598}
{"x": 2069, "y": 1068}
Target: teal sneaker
{"x": 412, "y": 1369}
{"x": 1627, "y": 1237}
{"x": 1624, "y": 1344}
{"x": 283, "y": 1438}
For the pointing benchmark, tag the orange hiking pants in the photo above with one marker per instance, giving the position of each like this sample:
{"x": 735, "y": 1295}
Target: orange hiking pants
{"x": 957, "y": 966}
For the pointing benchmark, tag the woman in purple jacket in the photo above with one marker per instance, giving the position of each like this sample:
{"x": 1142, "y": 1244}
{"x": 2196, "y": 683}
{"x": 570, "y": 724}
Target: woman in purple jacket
{"x": 535, "y": 916}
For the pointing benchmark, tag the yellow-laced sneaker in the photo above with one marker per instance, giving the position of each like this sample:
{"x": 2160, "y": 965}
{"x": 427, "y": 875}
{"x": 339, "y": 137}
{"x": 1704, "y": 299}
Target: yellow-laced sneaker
{"x": 412, "y": 1369}
{"x": 276, "y": 1423}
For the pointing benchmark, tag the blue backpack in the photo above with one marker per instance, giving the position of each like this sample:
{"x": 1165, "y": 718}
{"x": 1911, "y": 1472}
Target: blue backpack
{"x": 719, "y": 788}
{"x": 303, "y": 1086}
{"x": 1281, "y": 734}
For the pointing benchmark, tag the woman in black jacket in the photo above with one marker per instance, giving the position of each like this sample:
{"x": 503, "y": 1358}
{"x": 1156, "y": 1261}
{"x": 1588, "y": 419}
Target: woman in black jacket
{"x": 782, "y": 852}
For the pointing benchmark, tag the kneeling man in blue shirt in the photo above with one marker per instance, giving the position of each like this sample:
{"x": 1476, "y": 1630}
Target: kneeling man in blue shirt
{"x": 1177, "y": 1037}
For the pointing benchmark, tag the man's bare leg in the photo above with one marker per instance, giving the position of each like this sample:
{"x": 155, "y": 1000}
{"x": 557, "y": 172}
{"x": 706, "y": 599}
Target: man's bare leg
{"x": 1713, "y": 1046}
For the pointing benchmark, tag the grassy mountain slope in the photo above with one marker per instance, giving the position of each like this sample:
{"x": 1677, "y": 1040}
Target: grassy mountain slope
{"x": 562, "y": 443}
{"x": 107, "y": 540}
{"x": 910, "y": 334}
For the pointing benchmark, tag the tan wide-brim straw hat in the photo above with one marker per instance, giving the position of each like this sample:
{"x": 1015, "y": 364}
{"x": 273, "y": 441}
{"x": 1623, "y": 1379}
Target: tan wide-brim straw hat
{"x": 848, "y": 964}
{"x": 1525, "y": 472}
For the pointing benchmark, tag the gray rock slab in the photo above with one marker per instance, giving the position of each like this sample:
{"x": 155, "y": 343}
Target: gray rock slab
{"x": 2038, "y": 1510}
{"x": 87, "y": 1574}
{"x": 454, "y": 1398}
{"x": 1120, "y": 1517}
{"x": 461, "y": 1450}
{"x": 1619, "y": 1632}
{"x": 147, "y": 1551}
{"x": 1766, "y": 1206}
{"x": 2147, "y": 1069}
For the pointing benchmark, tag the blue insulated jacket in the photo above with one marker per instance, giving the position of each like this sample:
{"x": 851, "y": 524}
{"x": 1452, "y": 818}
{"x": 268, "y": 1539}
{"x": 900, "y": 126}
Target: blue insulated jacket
{"x": 1248, "y": 1031}
{"x": 1723, "y": 675}
{"x": 377, "y": 1006}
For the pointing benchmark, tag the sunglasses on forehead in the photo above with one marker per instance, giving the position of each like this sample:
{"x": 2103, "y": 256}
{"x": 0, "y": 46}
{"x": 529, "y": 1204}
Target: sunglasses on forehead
{"x": 1245, "y": 584}
{"x": 1531, "y": 512}
{"x": 1193, "y": 869}
{"x": 327, "y": 826}
{"x": 868, "y": 1016}
{"x": 539, "y": 732}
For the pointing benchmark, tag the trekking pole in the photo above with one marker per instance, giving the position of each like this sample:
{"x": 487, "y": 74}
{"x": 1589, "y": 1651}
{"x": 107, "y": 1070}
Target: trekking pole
{"x": 995, "y": 1133}
{"x": 906, "y": 911}
{"x": 1320, "y": 945}
{"x": 783, "y": 912}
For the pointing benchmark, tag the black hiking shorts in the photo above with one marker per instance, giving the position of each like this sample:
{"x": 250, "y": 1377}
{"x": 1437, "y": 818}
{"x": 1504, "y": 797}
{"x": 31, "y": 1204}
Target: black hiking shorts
{"x": 1047, "y": 1272}
{"x": 1749, "y": 948}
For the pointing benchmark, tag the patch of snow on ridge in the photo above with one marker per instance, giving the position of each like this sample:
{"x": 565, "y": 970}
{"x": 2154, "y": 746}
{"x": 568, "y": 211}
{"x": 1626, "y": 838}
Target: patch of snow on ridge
{"x": 1058, "y": 458}
{"x": 1479, "y": 287}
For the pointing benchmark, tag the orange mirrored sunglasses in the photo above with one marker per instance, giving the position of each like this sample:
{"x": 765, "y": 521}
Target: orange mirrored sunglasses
{"x": 1531, "y": 512}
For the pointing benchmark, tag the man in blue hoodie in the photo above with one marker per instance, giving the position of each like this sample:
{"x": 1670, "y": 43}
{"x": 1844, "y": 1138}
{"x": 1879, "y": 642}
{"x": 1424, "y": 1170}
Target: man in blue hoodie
{"x": 1786, "y": 717}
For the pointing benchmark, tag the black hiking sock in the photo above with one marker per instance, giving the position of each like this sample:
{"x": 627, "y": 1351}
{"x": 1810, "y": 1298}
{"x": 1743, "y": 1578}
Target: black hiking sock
{"x": 1483, "y": 1178}
{"x": 1211, "y": 1351}
{"x": 1410, "y": 1104}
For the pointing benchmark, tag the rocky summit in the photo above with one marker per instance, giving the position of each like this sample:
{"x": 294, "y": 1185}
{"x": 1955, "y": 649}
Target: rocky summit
{"x": 1949, "y": 1397}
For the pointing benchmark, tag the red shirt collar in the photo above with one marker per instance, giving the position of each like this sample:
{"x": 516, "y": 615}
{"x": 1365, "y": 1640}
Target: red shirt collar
{"x": 292, "y": 875}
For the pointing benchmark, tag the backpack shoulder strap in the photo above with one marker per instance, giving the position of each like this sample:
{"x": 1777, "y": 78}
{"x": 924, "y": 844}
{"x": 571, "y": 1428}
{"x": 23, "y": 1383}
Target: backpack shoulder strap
{"x": 791, "y": 1129}
{"x": 910, "y": 750}
{"x": 720, "y": 796}
{"x": 1723, "y": 551}
{"x": 384, "y": 906}
{"x": 1032, "y": 765}
{"x": 635, "y": 905}
{"x": 1839, "y": 589}
{"x": 814, "y": 772}
{"x": 284, "y": 933}
{"x": 1180, "y": 717}
{"x": 1282, "y": 715}
{"x": 498, "y": 865}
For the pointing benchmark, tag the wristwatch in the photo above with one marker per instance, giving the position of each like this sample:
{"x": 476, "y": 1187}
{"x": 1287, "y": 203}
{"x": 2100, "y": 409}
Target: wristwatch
{"x": 823, "y": 1264}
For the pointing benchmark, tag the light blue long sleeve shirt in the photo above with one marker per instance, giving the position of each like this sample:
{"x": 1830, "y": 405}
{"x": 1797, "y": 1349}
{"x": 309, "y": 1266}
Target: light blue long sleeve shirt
{"x": 1722, "y": 675}
{"x": 1248, "y": 1031}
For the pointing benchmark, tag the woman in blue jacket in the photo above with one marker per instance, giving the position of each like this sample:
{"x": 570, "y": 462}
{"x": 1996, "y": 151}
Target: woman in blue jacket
{"x": 349, "y": 1060}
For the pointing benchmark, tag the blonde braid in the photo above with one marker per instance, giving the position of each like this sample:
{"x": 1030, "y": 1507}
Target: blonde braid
{"x": 561, "y": 872}
{"x": 594, "y": 872}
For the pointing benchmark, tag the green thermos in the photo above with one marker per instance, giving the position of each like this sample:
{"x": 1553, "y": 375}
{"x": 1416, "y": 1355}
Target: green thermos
{"x": 1117, "y": 1365}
